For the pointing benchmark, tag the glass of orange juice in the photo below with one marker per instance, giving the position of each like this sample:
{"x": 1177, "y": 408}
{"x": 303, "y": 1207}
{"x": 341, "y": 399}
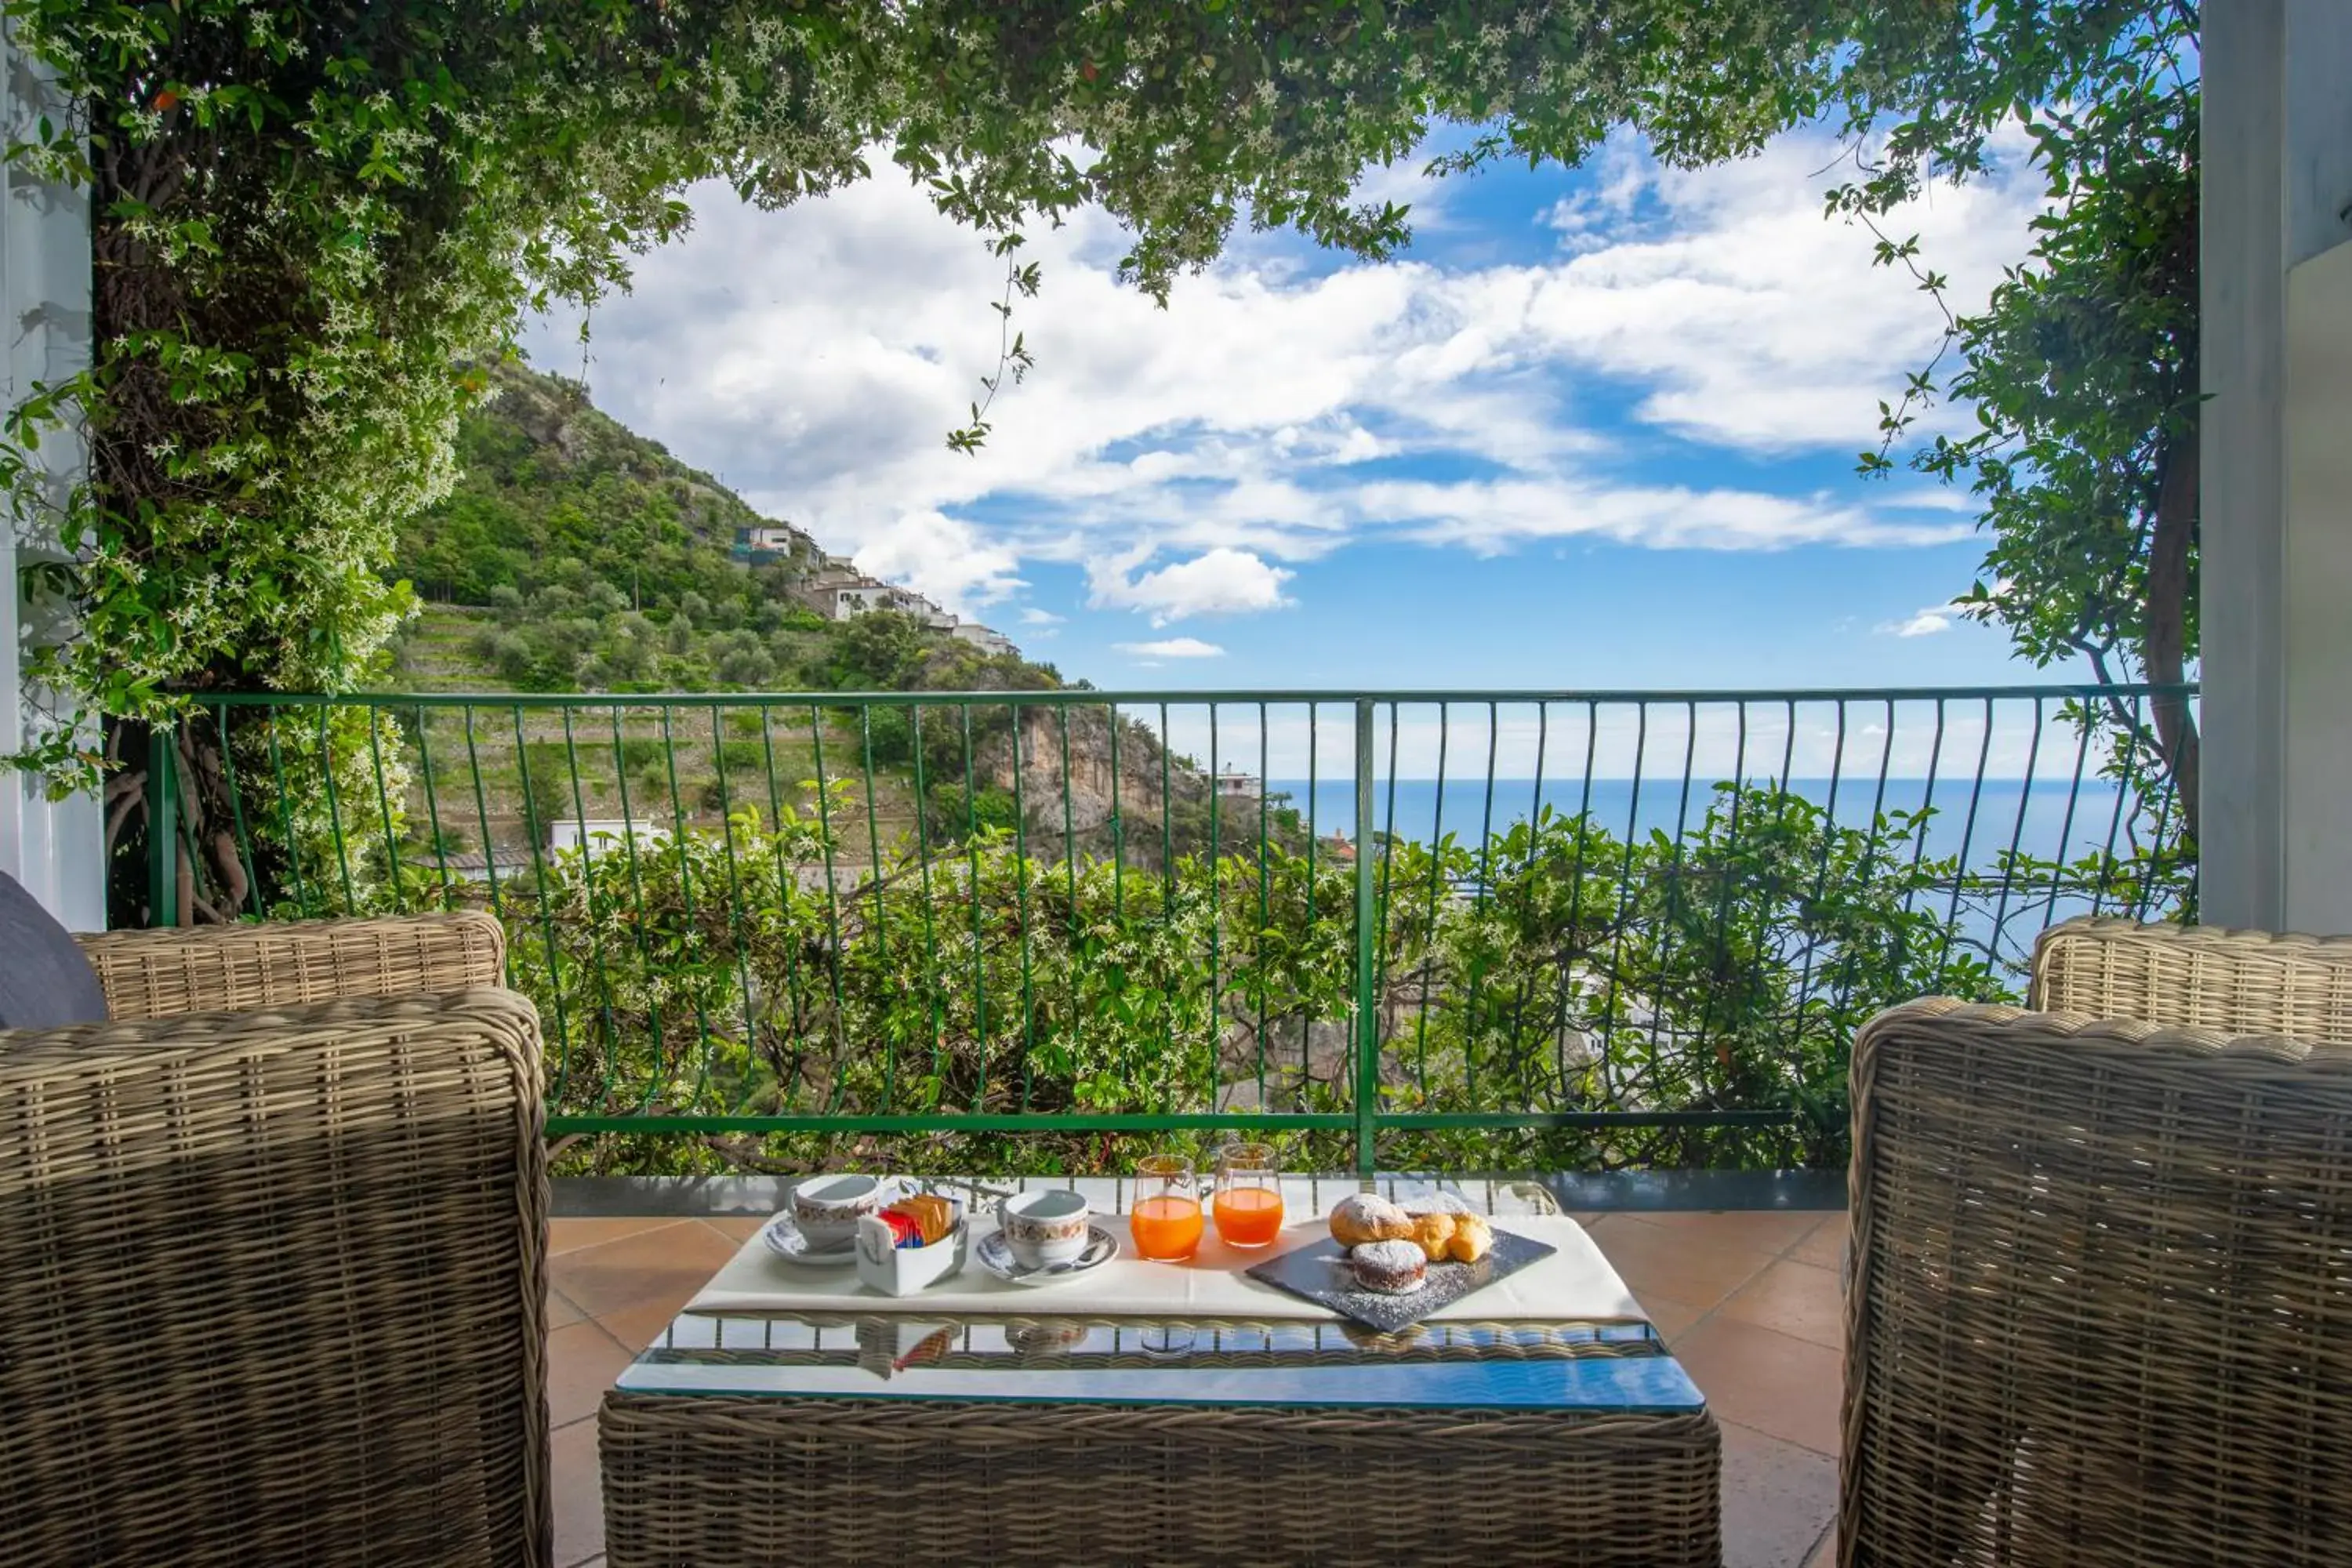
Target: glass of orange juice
{"x": 1248, "y": 1203}
{"x": 1165, "y": 1215}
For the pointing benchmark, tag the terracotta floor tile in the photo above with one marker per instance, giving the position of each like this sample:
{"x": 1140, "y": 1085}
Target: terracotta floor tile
{"x": 571, "y": 1234}
{"x": 1783, "y": 1386}
{"x": 737, "y": 1228}
{"x": 670, "y": 1263}
{"x": 579, "y": 1497}
{"x": 1776, "y": 1498}
{"x": 560, "y": 1311}
{"x": 1669, "y": 1317}
{"x": 1679, "y": 1265}
{"x": 582, "y": 1362}
{"x": 639, "y": 1326}
{"x": 1825, "y": 1247}
{"x": 1758, "y": 1230}
{"x": 1795, "y": 1297}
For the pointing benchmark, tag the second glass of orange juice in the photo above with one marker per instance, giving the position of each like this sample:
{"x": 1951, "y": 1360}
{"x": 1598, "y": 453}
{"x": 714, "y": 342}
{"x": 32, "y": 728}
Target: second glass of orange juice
{"x": 1165, "y": 1216}
{"x": 1248, "y": 1202}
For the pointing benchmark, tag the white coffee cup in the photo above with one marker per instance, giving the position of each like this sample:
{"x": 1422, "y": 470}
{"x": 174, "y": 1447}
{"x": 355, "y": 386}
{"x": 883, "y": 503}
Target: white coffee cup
{"x": 827, "y": 1209}
{"x": 1044, "y": 1225}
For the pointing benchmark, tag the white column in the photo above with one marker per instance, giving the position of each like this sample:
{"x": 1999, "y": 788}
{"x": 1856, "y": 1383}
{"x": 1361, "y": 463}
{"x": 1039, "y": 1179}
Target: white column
{"x": 55, "y": 847}
{"x": 2276, "y": 832}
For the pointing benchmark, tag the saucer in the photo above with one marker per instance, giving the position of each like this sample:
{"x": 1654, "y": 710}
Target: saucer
{"x": 996, "y": 1256}
{"x": 783, "y": 1235}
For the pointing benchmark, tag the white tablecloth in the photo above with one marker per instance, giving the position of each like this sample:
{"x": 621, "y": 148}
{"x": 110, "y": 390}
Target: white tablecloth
{"x": 1574, "y": 1284}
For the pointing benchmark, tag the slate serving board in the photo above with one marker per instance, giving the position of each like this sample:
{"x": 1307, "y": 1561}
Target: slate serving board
{"x": 1319, "y": 1271}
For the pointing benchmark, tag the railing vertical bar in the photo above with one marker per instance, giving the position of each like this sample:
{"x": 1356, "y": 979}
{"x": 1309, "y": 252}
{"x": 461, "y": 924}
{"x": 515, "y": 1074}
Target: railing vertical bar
{"x": 553, "y": 954}
{"x": 229, "y": 771}
{"x": 1968, "y": 838}
{"x": 1265, "y": 904}
{"x": 1921, "y": 827}
{"x": 1307, "y": 997}
{"x": 1388, "y": 864}
{"x": 1473, "y": 1028}
{"x": 874, "y": 879}
{"x": 692, "y": 936}
{"x": 638, "y": 901}
{"x": 1368, "y": 1026}
{"x": 1168, "y": 882}
{"x": 1625, "y": 894}
{"x": 838, "y": 1033}
{"x": 937, "y": 1001}
{"x": 163, "y": 829}
{"x": 1845, "y": 992}
{"x": 2066, "y": 825}
{"x": 1021, "y": 896}
{"x": 2143, "y": 714}
{"x": 482, "y": 817}
{"x": 734, "y": 897}
{"x": 432, "y": 799}
{"x": 2126, "y": 773}
{"x": 2016, "y": 841}
{"x": 1672, "y": 890}
{"x": 1436, "y": 880}
{"x": 1570, "y": 951}
{"x": 979, "y": 1043}
{"x": 790, "y": 1055}
{"x": 383, "y": 807}
{"x": 335, "y": 813}
{"x": 1730, "y": 854}
{"x": 1216, "y": 1042}
{"x": 1527, "y": 884}
{"x": 606, "y": 1035}
{"x": 285, "y": 817}
{"x": 1821, "y": 871}
{"x": 1075, "y": 926}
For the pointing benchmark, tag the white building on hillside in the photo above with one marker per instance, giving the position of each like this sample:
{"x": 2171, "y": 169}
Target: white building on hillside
{"x": 847, "y": 601}
{"x": 603, "y": 835}
{"x": 1232, "y": 785}
{"x": 986, "y": 638}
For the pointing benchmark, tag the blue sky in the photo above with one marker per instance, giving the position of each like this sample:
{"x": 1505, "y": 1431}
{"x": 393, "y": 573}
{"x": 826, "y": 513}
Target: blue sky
{"x": 1596, "y": 429}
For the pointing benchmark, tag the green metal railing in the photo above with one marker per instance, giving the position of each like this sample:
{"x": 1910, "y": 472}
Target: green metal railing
{"x": 1633, "y": 927}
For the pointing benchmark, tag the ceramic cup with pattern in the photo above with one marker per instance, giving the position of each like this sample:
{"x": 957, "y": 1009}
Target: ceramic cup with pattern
{"x": 1044, "y": 1225}
{"x": 827, "y": 1209}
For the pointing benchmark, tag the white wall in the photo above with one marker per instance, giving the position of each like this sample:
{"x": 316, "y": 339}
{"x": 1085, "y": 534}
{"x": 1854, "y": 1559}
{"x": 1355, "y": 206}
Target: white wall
{"x": 2275, "y": 829}
{"x": 54, "y": 847}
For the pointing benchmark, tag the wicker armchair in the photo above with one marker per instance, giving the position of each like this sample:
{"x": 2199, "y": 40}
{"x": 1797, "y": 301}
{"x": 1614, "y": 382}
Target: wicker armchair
{"x": 272, "y": 1281}
{"x": 2102, "y": 1305}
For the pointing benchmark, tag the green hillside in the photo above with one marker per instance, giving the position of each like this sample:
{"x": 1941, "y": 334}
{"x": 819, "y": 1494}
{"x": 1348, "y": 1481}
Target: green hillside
{"x": 576, "y": 555}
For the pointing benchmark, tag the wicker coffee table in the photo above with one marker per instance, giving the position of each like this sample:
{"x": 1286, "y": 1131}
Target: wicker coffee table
{"x": 901, "y": 1440}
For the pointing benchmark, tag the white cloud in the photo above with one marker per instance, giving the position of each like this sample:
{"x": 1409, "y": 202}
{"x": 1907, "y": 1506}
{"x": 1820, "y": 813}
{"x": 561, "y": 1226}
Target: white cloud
{"x": 1191, "y": 460}
{"x": 1034, "y": 616}
{"x": 1171, "y": 647}
{"x": 1220, "y": 582}
{"x": 944, "y": 558}
{"x": 1924, "y": 623}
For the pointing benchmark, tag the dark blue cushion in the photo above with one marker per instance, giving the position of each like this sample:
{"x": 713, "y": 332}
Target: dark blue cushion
{"x": 45, "y": 982}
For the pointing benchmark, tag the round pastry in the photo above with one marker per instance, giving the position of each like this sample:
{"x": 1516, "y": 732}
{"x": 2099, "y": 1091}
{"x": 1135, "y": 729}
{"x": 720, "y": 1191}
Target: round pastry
{"x": 1434, "y": 1232}
{"x": 1436, "y": 1203}
{"x": 1364, "y": 1216}
{"x": 1389, "y": 1267}
{"x": 1471, "y": 1239}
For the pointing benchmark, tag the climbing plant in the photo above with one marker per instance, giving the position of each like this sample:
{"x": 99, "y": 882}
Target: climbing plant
{"x": 2080, "y": 371}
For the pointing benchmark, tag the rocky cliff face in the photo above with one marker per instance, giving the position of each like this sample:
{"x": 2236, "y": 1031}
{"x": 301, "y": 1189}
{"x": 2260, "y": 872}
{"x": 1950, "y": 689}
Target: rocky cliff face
{"x": 1128, "y": 808}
